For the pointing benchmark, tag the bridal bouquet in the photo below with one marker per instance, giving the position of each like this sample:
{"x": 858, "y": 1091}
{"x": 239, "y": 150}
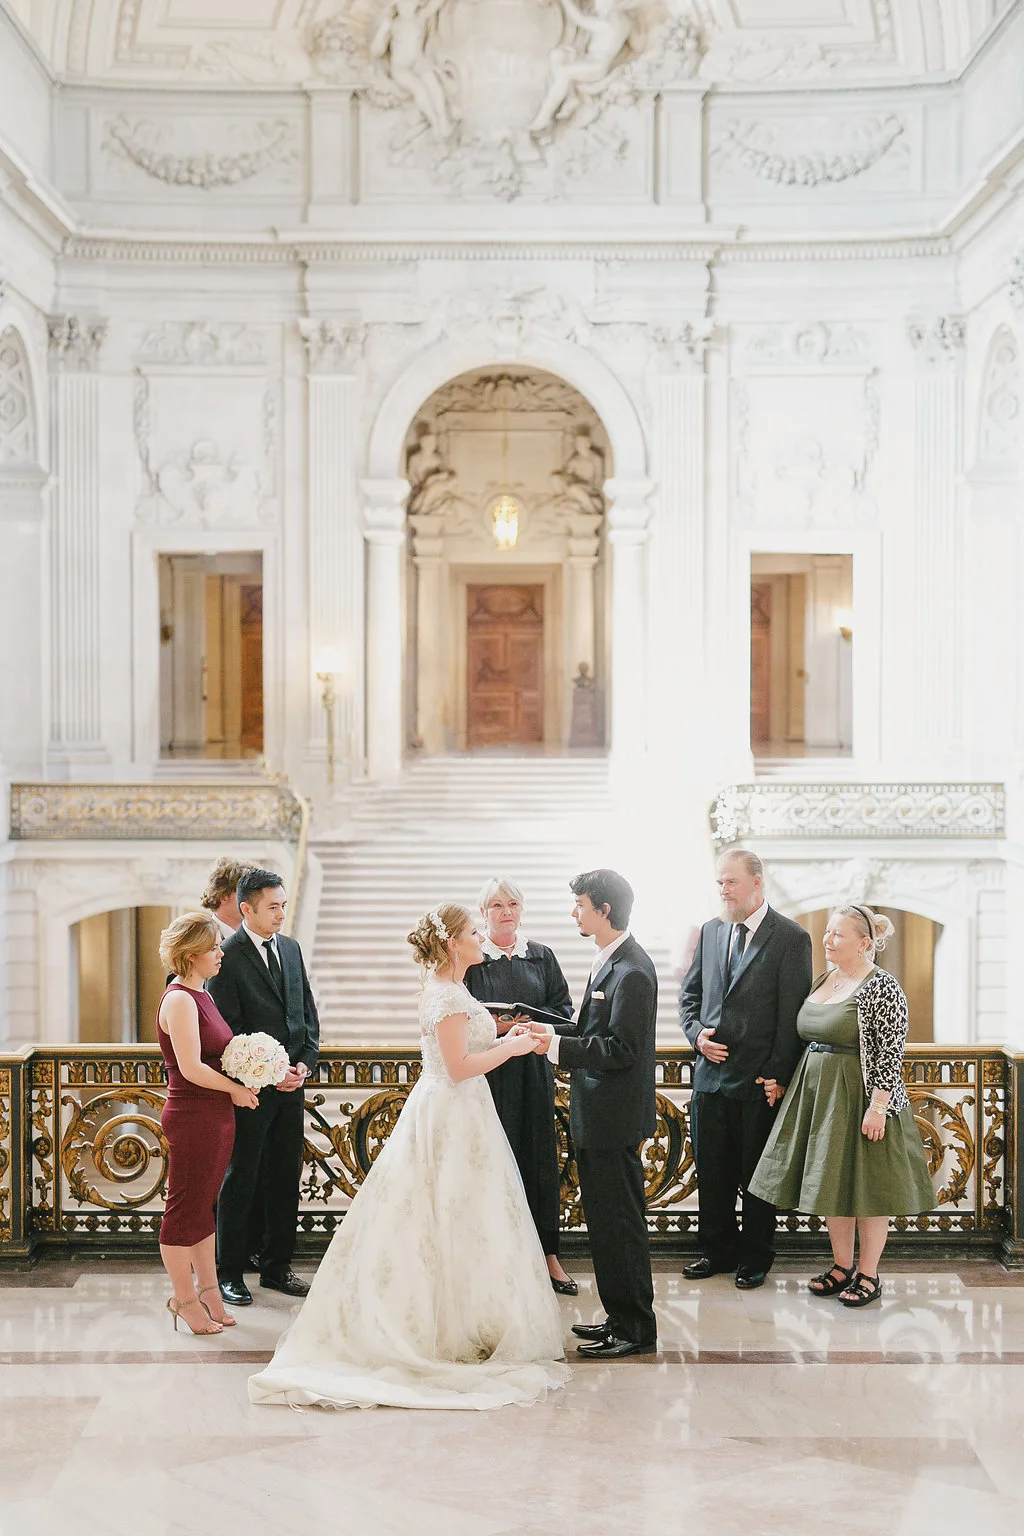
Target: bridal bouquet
{"x": 255, "y": 1061}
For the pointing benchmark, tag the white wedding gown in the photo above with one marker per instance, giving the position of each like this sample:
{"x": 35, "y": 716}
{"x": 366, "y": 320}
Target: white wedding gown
{"x": 434, "y": 1292}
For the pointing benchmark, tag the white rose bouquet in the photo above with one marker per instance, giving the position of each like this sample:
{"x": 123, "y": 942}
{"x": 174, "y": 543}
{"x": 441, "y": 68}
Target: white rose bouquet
{"x": 256, "y": 1061}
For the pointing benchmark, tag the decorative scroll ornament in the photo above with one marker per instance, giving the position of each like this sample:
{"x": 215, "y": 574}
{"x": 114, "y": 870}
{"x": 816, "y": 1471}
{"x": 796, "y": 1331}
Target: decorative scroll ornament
{"x": 494, "y": 91}
{"x": 17, "y": 427}
{"x": 858, "y": 810}
{"x": 755, "y": 147}
{"x": 142, "y": 142}
{"x": 153, "y": 811}
{"x": 812, "y": 343}
{"x": 75, "y": 343}
{"x": 999, "y": 437}
{"x": 201, "y": 342}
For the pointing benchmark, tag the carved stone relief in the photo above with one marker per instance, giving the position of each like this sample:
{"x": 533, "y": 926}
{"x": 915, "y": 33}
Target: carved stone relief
{"x": 858, "y": 810}
{"x": 806, "y": 450}
{"x": 776, "y": 150}
{"x": 201, "y": 483}
{"x": 999, "y": 437}
{"x": 75, "y": 343}
{"x": 202, "y": 342}
{"x": 333, "y": 346}
{"x": 1016, "y": 283}
{"x": 17, "y": 425}
{"x": 813, "y": 343}
{"x": 493, "y": 94}
{"x": 937, "y": 338}
{"x": 151, "y": 146}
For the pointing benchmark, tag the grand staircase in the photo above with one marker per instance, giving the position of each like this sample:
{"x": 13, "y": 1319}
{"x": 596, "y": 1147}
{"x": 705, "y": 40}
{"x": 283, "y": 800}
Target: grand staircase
{"x": 437, "y": 835}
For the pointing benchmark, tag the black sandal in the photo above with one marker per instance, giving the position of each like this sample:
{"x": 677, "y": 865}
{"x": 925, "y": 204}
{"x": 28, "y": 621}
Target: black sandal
{"x": 830, "y": 1286}
{"x": 864, "y": 1289}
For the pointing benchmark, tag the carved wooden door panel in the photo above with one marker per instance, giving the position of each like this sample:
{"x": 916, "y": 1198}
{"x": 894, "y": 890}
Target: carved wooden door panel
{"x": 252, "y": 668}
{"x": 505, "y": 671}
{"x": 760, "y": 662}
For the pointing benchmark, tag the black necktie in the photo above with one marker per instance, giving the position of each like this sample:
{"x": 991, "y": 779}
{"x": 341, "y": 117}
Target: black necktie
{"x": 274, "y": 964}
{"x": 739, "y": 944}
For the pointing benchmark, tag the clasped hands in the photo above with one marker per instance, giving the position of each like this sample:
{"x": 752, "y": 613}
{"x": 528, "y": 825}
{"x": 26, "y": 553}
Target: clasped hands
{"x": 526, "y": 1036}
{"x": 716, "y": 1052}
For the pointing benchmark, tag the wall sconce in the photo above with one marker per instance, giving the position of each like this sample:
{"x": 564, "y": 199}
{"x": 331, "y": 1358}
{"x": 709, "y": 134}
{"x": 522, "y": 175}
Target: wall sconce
{"x": 505, "y": 522}
{"x": 844, "y": 624}
{"x": 328, "y": 665}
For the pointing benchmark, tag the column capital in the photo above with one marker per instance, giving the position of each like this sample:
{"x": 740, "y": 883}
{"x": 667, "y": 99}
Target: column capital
{"x": 75, "y": 342}
{"x": 384, "y": 510}
{"x": 333, "y": 345}
{"x": 628, "y": 510}
{"x": 937, "y": 338}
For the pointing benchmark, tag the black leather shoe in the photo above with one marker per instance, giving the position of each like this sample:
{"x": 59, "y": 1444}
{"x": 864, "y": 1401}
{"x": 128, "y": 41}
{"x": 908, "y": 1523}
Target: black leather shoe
{"x": 288, "y": 1283}
{"x": 750, "y": 1279}
{"x": 564, "y": 1287}
{"x": 611, "y": 1348}
{"x": 703, "y": 1268}
{"x": 591, "y": 1330}
{"x": 235, "y": 1291}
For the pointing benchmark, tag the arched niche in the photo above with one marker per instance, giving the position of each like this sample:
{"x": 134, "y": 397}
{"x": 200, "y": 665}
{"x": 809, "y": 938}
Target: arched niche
{"x": 22, "y": 576}
{"x": 506, "y": 638}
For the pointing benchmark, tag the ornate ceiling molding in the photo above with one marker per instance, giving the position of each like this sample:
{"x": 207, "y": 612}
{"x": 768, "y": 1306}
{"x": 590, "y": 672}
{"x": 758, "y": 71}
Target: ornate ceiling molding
{"x": 858, "y": 811}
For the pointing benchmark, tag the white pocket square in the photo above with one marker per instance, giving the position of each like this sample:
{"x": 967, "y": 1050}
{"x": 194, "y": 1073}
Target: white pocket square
{"x": 597, "y": 997}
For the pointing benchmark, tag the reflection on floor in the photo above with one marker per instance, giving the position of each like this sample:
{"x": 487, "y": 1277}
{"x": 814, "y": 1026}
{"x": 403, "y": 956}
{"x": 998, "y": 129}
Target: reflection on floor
{"x": 765, "y": 1412}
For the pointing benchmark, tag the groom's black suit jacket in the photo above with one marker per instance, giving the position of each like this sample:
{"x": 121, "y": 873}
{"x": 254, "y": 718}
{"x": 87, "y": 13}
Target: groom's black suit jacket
{"x": 250, "y": 1001}
{"x": 610, "y": 1049}
{"x": 755, "y": 1014}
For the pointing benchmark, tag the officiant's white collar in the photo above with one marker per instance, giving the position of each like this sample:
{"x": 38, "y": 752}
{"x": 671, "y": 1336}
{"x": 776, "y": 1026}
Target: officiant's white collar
{"x": 492, "y": 951}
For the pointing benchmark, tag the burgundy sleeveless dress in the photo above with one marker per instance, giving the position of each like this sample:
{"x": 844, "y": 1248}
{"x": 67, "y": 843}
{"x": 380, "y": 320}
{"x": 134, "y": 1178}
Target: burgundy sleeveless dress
{"x": 199, "y": 1127}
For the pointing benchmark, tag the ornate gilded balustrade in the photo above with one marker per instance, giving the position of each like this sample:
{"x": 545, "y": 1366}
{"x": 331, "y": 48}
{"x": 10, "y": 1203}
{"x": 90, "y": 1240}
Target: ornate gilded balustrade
{"x": 83, "y": 1162}
{"x": 266, "y": 810}
{"x": 773, "y": 809}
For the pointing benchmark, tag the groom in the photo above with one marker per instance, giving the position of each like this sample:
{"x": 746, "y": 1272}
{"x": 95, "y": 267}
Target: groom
{"x": 610, "y": 1050}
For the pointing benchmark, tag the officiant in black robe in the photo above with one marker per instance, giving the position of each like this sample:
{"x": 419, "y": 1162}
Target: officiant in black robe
{"x": 518, "y": 970}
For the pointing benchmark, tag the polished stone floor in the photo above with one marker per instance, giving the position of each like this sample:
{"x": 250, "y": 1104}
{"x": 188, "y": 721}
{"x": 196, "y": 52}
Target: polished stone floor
{"x": 764, "y": 1412}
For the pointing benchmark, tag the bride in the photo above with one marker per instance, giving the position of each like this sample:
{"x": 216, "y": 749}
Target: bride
{"x": 434, "y": 1292}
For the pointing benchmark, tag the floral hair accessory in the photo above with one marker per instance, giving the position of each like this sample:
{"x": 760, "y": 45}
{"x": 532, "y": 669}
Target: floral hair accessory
{"x": 438, "y": 927}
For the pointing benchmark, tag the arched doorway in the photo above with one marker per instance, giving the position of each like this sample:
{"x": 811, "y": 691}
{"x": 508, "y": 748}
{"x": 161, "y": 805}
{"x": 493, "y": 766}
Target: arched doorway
{"x": 909, "y": 956}
{"x": 507, "y": 632}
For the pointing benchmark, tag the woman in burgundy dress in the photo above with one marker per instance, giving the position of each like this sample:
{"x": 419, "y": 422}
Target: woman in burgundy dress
{"x": 198, "y": 1119}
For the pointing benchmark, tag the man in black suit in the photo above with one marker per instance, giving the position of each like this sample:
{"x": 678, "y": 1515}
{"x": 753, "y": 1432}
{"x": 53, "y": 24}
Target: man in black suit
{"x": 609, "y": 1049}
{"x": 262, "y": 986}
{"x": 738, "y": 1007}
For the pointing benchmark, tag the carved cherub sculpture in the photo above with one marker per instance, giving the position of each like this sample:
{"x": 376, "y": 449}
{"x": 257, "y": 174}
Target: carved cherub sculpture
{"x": 401, "y": 38}
{"x": 607, "y": 27}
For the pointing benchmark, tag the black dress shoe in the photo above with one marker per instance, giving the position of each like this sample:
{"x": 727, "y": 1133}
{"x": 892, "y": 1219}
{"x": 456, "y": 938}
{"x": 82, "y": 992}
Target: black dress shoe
{"x": 287, "y": 1282}
{"x": 750, "y": 1279}
{"x": 235, "y": 1291}
{"x": 591, "y": 1330}
{"x": 612, "y": 1348}
{"x": 703, "y": 1268}
{"x": 564, "y": 1287}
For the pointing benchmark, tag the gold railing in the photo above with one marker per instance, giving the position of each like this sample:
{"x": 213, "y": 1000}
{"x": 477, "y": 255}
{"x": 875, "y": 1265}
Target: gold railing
{"x": 83, "y": 1161}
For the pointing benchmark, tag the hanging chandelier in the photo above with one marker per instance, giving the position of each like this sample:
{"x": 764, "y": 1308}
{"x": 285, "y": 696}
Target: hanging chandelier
{"x": 504, "y": 509}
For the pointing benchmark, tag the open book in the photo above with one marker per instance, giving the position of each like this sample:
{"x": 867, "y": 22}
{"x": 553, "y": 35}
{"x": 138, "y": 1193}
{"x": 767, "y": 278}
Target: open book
{"x": 542, "y": 1015}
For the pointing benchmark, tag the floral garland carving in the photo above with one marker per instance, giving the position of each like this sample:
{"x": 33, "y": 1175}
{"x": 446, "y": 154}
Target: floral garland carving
{"x": 139, "y": 143}
{"x": 816, "y": 168}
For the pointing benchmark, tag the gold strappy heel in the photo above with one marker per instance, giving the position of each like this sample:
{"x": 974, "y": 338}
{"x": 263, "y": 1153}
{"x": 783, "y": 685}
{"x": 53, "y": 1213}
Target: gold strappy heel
{"x": 227, "y": 1321}
{"x": 175, "y": 1309}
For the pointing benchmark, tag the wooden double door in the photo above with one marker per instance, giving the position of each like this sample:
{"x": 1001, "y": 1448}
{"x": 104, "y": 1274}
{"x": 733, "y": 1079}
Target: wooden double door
{"x": 505, "y": 666}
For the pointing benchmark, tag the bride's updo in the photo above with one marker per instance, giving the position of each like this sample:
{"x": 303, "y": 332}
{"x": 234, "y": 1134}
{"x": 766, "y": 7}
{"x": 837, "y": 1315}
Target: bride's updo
{"x": 871, "y": 925}
{"x": 434, "y": 931}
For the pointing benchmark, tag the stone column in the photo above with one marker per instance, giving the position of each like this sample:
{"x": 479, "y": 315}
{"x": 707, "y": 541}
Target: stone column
{"x": 384, "y": 532}
{"x": 936, "y": 579}
{"x": 334, "y": 349}
{"x": 428, "y": 558}
{"x": 628, "y": 517}
{"x": 76, "y": 739}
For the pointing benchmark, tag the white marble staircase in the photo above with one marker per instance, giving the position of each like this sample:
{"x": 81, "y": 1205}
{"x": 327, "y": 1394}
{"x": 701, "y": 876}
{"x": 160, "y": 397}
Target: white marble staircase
{"x": 437, "y": 835}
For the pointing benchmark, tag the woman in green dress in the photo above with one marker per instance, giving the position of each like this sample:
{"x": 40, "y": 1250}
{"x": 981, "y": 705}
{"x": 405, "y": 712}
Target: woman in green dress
{"x": 845, "y": 1145}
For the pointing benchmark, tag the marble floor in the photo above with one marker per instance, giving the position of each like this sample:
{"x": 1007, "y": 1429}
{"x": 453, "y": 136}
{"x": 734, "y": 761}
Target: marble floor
{"x": 764, "y": 1412}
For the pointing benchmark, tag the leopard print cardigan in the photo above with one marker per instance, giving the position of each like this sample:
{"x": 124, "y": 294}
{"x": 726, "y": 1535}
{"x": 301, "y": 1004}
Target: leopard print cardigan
{"x": 882, "y": 1023}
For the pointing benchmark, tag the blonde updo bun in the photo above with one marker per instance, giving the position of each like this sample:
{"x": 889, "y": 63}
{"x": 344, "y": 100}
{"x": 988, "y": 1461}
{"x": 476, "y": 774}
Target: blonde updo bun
{"x": 428, "y": 943}
{"x": 874, "y": 926}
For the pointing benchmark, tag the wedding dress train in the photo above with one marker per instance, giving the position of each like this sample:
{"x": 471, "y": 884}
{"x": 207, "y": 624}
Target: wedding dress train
{"x": 434, "y": 1292}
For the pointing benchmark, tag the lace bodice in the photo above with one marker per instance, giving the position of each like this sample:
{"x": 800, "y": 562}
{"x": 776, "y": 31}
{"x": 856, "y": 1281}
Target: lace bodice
{"x": 439, "y": 1001}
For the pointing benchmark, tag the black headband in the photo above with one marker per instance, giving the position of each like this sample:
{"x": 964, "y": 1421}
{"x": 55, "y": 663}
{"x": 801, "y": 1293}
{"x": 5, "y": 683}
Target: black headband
{"x": 867, "y": 918}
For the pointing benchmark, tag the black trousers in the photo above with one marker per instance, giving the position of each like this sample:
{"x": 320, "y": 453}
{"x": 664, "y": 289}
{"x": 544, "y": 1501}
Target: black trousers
{"x": 265, "y": 1168}
{"x": 612, "y": 1192}
{"x": 728, "y": 1138}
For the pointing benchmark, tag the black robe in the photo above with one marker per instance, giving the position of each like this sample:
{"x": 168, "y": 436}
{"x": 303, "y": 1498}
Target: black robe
{"x": 523, "y": 1088}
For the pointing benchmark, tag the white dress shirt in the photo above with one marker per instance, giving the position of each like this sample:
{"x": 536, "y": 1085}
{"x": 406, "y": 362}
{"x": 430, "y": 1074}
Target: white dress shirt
{"x": 263, "y": 954}
{"x": 751, "y": 924}
{"x": 599, "y": 960}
